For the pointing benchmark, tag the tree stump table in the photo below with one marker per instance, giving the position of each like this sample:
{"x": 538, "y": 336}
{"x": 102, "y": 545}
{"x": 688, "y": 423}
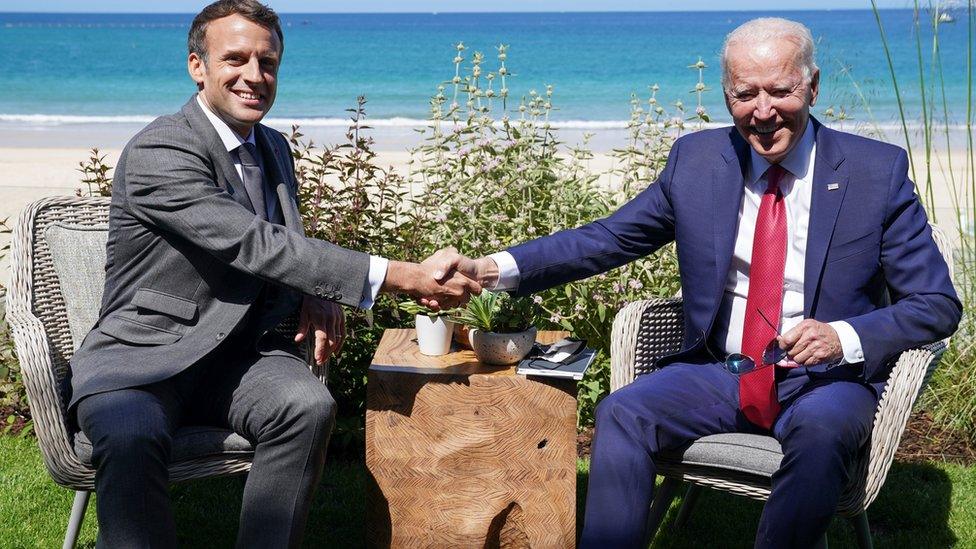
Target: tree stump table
{"x": 462, "y": 454}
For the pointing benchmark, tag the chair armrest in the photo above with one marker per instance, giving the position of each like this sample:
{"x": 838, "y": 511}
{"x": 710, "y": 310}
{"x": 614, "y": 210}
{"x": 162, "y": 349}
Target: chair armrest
{"x": 908, "y": 377}
{"x": 46, "y": 405}
{"x": 644, "y": 331}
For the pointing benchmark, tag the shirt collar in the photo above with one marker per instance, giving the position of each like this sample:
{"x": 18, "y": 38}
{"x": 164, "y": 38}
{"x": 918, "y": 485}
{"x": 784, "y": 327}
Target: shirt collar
{"x": 798, "y": 162}
{"x": 229, "y": 137}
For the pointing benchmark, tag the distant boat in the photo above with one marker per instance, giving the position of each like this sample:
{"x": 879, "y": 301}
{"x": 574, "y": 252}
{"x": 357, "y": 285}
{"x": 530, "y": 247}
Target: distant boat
{"x": 946, "y": 18}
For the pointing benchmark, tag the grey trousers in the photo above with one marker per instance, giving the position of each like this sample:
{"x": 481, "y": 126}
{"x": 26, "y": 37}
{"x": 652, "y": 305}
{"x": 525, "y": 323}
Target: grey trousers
{"x": 274, "y": 401}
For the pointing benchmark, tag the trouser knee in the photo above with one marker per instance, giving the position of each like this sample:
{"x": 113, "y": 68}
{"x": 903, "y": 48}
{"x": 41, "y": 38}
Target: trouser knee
{"x": 133, "y": 446}
{"x": 311, "y": 410}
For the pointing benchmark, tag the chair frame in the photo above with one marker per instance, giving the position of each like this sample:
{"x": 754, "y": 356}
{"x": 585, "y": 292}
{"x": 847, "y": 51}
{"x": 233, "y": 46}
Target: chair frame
{"x": 38, "y": 319}
{"x": 646, "y": 330}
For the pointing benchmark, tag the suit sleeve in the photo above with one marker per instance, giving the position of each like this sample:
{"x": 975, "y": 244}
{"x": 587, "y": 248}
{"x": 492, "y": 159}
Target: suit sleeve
{"x": 924, "y": 307}
{"x": 169, "y": 184}
{"x": 638, "y": 228}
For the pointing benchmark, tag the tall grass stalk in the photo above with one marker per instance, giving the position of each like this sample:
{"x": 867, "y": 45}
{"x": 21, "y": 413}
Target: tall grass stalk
{"x": 894, "y": 83}
{"x": 926, "y": 106}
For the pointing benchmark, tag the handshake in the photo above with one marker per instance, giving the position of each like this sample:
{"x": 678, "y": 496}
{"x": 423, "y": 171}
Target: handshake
{"x": 444, "y": 280}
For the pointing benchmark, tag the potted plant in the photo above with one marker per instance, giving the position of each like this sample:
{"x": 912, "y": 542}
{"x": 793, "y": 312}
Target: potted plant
{"x": 434, "y": 328}
{"x": 501, "y": 326}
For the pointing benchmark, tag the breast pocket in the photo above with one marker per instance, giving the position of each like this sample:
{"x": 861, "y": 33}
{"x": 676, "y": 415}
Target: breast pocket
{"x": 870, "y": 242}
{"x": 151, "y": 318}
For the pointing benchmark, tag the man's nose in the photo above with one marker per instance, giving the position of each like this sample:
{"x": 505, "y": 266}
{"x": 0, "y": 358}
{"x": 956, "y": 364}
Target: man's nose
{"x": 764, "y": 107}
{"x": 251, "y": 71}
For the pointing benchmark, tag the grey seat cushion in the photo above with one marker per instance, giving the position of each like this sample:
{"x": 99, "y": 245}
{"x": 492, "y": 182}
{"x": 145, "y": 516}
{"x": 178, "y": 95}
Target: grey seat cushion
{"x": 737, "y": 452}
{"x": 78, "y": 256}
{"x": 189, "y": 443}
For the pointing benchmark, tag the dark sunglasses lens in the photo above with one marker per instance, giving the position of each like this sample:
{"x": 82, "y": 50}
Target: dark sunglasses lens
{"x": 739, "y": 364}
{"x": 773, "y": 354}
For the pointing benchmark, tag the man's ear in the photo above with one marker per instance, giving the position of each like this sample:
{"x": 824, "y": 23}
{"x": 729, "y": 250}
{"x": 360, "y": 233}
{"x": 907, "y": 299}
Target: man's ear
{"x": 197, "y": 68}
{"x": 814, "y": 87}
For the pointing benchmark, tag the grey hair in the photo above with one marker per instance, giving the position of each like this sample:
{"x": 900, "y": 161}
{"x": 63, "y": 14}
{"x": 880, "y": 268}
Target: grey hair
{"x": 766, "y": 28}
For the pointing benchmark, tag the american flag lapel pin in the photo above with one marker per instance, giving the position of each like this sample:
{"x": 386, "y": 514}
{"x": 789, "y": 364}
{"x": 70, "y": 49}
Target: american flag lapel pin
{"x": 833, "y": 186}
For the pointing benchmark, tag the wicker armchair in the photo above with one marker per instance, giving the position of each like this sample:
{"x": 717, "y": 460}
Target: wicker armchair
{"x": 39, "y": 318}
{"x": 646, "y": 330}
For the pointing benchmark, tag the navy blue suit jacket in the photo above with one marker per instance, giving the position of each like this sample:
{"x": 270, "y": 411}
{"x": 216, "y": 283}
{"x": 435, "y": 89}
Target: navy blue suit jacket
{"x": 870, "y": 258}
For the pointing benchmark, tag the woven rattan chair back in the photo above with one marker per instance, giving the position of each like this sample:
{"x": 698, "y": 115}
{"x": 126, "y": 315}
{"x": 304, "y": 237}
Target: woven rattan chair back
{"x": 38, "y": 318}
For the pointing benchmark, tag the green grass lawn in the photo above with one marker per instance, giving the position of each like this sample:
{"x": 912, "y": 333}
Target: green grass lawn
{"x": 921, "y": 506}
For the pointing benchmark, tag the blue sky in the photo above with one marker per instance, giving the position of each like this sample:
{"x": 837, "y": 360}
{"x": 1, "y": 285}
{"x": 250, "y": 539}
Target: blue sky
{"x": 380, "y": 6}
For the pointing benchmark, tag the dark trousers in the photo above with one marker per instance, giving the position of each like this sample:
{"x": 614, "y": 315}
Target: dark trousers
{"x": 274, "y": 401}
{"x": 821, "y": 430}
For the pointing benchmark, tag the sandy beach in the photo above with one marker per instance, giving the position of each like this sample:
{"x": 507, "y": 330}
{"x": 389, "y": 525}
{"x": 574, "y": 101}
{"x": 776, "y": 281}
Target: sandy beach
{"x": 35, "y": 164}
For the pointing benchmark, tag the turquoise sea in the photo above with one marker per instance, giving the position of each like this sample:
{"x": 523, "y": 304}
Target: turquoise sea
{"x": 127, "y": 68}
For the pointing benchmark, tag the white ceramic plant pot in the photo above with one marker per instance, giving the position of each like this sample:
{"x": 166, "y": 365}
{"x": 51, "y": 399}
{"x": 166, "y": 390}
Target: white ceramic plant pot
{"x": 496, "y": 348}
{"x": 434, "y": 335}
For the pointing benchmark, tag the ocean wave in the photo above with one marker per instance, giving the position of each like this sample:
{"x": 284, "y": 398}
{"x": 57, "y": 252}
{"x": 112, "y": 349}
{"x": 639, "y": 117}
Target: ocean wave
{"x": 402, "y": 122}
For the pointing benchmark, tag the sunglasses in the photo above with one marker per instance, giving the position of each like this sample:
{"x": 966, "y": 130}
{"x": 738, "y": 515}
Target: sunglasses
{"x": 739, "y": 363}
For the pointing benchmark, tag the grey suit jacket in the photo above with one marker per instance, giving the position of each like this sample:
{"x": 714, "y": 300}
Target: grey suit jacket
{"x": 187, "y": 257}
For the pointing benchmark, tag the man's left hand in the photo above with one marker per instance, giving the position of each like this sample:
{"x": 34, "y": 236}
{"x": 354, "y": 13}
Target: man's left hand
{"x": 328, "y": 322}
{"x": 811, "y": 342}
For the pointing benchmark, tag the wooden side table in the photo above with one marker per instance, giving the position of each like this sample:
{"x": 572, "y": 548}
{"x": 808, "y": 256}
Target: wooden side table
{"x": 462, "y": 454}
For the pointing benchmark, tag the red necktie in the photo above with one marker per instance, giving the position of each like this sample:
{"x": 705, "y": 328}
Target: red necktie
{"x": 757, "y": 389}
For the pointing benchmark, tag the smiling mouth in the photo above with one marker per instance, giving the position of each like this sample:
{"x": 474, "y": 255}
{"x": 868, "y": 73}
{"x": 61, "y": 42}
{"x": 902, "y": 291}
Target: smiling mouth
{"x": 764, "y": 130}
{"x": 248, "y": 96}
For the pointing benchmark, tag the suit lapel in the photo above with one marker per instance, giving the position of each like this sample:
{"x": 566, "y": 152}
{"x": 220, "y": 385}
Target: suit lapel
{"x": 275, "y": 163}
{"x": 727, "y": 187}
{"x": 830, "y": 181}
{"x": 227, "y": 176}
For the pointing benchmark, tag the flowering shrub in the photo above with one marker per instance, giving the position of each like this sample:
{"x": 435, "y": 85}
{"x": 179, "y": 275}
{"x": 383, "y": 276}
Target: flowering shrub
{"x": 495, "y": 176}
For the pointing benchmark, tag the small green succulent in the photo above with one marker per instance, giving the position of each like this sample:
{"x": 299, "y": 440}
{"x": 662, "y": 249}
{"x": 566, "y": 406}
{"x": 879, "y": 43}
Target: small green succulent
{"x": 498, "y": 312}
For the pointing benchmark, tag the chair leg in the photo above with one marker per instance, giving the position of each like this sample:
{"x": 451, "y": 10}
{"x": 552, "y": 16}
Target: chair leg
{"x": 863, "y": 531}
{"x": 77, "y": 517}
{"x": 659, "y": 507}
{"x": 687, "y": 504}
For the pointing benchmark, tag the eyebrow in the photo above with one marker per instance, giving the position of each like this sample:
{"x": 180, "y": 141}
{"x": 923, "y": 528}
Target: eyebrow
{"x": 241, "y": 53}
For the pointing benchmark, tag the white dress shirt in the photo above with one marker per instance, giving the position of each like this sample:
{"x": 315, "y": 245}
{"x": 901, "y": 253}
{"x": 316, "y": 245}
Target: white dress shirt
{"x": 797, "y": 188}
{"x": 231, "y": 140}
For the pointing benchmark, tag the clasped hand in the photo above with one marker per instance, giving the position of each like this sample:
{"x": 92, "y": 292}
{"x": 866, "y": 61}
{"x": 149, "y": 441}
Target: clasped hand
{"x": 439, "y": 282}
{"x": 447, "y": 262}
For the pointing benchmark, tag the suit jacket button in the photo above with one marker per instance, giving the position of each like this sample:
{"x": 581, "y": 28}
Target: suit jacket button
{"x": 220, "y": 336}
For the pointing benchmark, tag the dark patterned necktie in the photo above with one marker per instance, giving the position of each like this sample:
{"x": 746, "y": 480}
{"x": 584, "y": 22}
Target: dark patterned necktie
{"x": 757, "y": 389}
{"x": 253, "y": 178}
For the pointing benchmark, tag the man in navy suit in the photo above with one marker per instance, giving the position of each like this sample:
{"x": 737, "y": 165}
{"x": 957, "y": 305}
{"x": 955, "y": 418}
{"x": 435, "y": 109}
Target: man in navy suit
{"x": 777, "y": 218}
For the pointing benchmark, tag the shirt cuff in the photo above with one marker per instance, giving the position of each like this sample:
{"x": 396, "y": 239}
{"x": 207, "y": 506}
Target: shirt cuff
{"x": 508, "y": 272}
{"x": 850, "y": 342}
{"x": 377, "y": 275}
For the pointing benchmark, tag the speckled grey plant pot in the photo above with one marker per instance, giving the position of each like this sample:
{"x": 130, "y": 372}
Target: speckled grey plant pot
{"x": 501, "y": 349}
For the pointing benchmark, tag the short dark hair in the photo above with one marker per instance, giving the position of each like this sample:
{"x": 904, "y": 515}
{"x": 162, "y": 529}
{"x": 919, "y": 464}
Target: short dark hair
{"x": 252, "y": 10}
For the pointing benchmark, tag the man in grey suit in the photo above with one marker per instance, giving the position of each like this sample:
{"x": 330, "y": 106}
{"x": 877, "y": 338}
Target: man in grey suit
{"x": 206, "y": 255}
